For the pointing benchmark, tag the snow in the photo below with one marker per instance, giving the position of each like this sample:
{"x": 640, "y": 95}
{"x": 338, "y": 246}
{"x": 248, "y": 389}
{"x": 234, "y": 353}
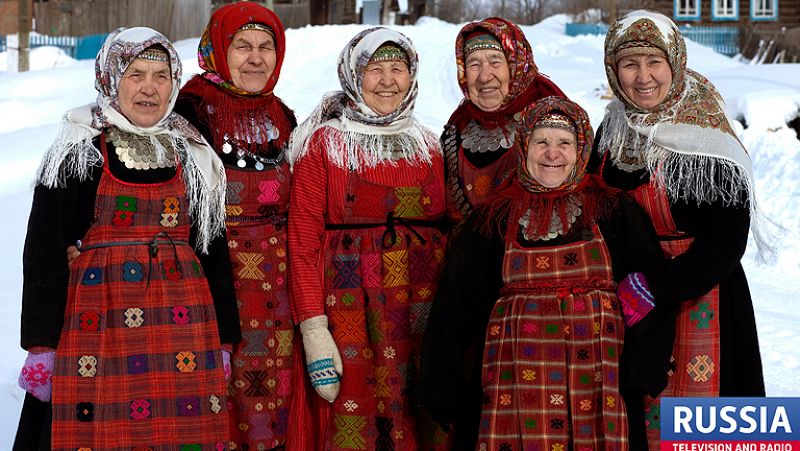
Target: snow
{"x": 764, "y": 97}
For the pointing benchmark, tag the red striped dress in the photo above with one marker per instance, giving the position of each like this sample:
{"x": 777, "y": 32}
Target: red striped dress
{"x": 138, "y": 364}
{"x": 374, "y": 278}
{"x": 553, "y": 342}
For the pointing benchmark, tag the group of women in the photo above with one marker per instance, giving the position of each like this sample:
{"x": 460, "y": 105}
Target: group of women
{"x": 472, "y": 292}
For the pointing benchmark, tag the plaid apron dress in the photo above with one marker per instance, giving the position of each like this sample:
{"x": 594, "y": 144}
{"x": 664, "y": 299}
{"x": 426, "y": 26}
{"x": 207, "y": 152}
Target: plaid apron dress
{"x": 551, "y": 360}
{"x": 138, "y": 364}
{"x": 260, "y": 385}
{"x": 696, "y": 350}
{"x": 380, "y": 272}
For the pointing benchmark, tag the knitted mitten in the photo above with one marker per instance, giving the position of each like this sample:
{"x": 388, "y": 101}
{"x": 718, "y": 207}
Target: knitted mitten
{"x": 323, "y": 362}
{"x": 36, "y": 375}
{"x": 635, "y": 298}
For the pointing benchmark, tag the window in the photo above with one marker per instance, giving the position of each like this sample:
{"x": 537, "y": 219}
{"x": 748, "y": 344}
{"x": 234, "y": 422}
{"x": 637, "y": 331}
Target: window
{"x": 764, "y": 9}
{"x": 725, "y": 9}
{"x": 688, "y": 9}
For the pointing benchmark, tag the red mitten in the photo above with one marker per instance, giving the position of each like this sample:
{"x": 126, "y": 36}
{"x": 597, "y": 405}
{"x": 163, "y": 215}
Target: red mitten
{"x": 635, "y": 298}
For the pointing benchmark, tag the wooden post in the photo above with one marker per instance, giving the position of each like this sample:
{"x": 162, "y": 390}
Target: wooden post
{"x": 23, "y": 64}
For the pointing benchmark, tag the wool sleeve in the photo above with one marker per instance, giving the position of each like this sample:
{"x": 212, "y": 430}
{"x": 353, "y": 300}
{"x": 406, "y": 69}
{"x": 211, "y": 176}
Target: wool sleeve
{"x": 306, "y": 230}
{"x": 58, "y": 217}
{"x": 630, "y": 238}
{"x": 720, "y": 238}
{"x": 468, "y": 287}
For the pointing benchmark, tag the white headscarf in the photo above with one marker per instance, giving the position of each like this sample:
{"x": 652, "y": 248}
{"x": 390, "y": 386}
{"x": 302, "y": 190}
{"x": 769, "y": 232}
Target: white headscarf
{"x": 367, "y": 137}
{"x": 72, "y": 154}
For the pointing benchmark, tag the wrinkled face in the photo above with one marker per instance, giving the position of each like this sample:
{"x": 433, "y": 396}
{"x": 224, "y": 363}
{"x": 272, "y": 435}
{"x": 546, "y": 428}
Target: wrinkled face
{"x": 645, "y": 79}
{"x": 144, "y": 92}
{"x": 552, "y": 153}
{"x": 251, "y": 59}
{"x": 487, "y": 78}
{"x": 384, "y": 85}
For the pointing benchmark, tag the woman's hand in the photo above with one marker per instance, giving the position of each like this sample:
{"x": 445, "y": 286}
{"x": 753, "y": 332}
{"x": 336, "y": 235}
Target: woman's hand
{"x": 72, "y": 253}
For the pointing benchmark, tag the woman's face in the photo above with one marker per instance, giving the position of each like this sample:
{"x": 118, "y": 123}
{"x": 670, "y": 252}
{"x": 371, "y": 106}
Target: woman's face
{"x": 488, "y": 76}
{"x": 645, "y": 79}
{"x": 384, "y": 85}
{"x": 552, "y": 154}
{"x": 144, "y": 92}
{"x": 251, "y": 59}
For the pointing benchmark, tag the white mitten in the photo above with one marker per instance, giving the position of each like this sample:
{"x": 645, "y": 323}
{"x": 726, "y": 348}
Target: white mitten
{"x": 323, "y": 362}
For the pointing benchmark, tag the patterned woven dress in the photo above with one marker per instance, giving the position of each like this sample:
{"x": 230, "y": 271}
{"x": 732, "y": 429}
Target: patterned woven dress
{"x": 381, "y": 258}
{"x": 138, "y": 365}
{"x": 696, "y": 352}
{"x": 256, "y": 204}
{"x": 552, "y": 351}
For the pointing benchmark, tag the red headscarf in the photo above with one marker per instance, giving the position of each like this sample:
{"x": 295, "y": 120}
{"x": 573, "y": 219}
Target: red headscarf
{"x": 526, "y": 85}
{"x": 234, "y": 108}
{"x": 222, "y": 27}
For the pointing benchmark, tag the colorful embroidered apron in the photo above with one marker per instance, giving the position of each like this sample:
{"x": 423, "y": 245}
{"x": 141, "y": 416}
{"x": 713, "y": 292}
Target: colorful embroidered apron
{"x": 696, "y": 350}
{"x": 260, "y": 385}
{"x": 138, "y": 364}
{"x": 551, "y": 360}
{"x": 381, "y": 268}
{"x": 468, "y": 185}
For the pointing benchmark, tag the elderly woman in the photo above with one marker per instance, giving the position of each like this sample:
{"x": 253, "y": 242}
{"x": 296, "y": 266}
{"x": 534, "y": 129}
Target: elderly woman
{"x": 499, "y": 78}
{"x": 668, "y": 141}
{"x": 233, "y": 105}
{"x": 539, "y": 260}
{"x": 367, "y": 196}
{"x": 132, "y": 331}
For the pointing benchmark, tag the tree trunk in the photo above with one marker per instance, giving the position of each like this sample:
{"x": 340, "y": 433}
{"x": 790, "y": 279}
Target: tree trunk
{"x": 23, "y": 64}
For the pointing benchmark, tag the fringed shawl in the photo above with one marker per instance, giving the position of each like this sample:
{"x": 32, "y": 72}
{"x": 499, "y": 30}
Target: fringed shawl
{"x": 686, "y": 143}
{"x": 365, "y": 138}
{"x": 72, "y": 155}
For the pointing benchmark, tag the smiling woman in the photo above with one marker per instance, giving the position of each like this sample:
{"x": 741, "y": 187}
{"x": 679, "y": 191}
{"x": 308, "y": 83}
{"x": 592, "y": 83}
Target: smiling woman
{"x": 366, "y": 248}
{"x": 134, "y": 328}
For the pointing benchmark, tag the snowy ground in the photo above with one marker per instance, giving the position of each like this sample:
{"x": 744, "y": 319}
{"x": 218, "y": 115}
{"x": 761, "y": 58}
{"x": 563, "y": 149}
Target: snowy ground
{"x": 765, "y": 98}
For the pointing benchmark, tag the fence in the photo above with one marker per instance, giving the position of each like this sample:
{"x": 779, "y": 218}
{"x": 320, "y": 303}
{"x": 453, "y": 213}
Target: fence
{"x": 724, "y": 40}
{"x": 85, "y": 47}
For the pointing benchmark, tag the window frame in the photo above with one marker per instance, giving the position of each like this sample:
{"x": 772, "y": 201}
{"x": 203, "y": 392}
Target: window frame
{"x": 694, "y": 17}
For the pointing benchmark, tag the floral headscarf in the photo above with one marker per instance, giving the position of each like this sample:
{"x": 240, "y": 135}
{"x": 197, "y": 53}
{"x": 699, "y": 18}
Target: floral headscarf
{"x": 369, "y": 138}
{"x": 72, "y": 154}
{"x": 525, "y": 85}
{"x": 687, "y": 142}
{"x": 212, "y": 54}
{"x": 584, "y": 135}
{"x": 536, "y": 212}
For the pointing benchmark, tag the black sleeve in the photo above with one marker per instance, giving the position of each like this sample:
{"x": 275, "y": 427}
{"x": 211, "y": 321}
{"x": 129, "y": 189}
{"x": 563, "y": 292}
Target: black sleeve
{"x": 634, "y": 247}
{"x": 58, "y": 217}
{"x": 720, "y": 238}
{"x": 189, "y": 106}
{"x": 219, "y": 274}
{"x": 631, "y": 239}
{"x": 468, "y": 288}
